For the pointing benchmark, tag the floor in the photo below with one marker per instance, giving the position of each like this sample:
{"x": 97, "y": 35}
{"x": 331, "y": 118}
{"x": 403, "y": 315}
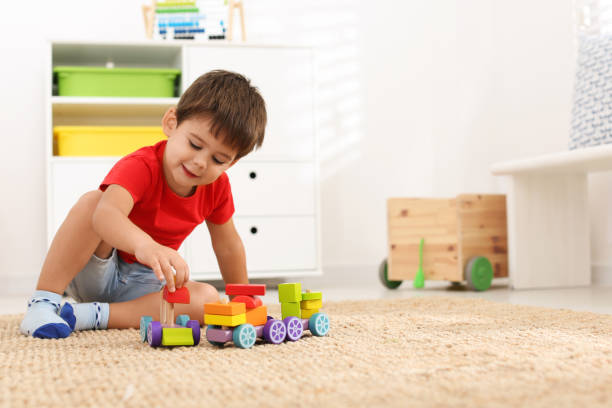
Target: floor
{"x": 596, "y": 299}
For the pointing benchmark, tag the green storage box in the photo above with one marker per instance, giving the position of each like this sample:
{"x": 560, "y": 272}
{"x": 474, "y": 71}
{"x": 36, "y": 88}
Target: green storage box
{"x": 130, "y": 82}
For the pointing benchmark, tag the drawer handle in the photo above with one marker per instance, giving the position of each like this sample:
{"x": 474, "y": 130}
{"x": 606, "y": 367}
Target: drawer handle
{"x": 253, "y": 175}
{"x": 253, "y": 230}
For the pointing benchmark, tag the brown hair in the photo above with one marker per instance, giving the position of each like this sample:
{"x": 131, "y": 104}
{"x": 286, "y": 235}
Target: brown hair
{"x": 235, "y": 107}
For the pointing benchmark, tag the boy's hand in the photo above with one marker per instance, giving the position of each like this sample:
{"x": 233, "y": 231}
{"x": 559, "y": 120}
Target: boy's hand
{"x": 164, "y": 261}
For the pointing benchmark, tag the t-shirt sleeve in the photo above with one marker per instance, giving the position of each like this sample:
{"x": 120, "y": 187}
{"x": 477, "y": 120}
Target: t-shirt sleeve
{"x": 224, "y": 202}
{"x": 131, "y": 173}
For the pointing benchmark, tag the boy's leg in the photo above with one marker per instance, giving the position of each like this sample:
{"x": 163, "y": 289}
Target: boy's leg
{"x": 124, "y": 315}
{"x": 72, "y": 246}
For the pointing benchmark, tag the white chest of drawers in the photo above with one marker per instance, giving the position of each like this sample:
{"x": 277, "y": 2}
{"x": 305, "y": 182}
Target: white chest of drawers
{"x": 276, "y": 189}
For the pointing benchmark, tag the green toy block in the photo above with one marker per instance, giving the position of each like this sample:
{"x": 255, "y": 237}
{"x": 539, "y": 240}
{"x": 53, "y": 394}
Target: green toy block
{"x": 312, "y": 296}
{"x": 177, "y": 336}
{"x": 289, "y": 292}
{"x": 291, "y": 309}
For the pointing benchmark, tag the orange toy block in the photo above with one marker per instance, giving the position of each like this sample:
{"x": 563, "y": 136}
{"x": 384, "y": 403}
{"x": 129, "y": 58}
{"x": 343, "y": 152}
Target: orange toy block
{"x": 251, "y": 302}
{"x": 180, "y": 295}
{"x": 257, "y": 316}
{"x": 245, "y": 289}
{"x": 227, "y": 309}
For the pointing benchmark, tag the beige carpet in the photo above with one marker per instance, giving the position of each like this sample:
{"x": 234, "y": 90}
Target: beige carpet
{"x": 431, "y": 352}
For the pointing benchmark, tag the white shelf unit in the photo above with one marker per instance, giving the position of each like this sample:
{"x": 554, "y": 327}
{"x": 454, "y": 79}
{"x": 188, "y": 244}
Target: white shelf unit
{"x": 276, "y": 189}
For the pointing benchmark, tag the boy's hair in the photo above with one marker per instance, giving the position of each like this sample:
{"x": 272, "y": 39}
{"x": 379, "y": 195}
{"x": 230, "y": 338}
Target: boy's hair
{"x": 235, "y": 107}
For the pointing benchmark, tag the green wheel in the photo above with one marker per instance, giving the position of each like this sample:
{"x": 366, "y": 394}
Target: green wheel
{"x": 384, "y": 278}
{"x": 479, "y": 273}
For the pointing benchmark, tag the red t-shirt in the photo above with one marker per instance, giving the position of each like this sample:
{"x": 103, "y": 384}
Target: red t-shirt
{"x": 167, "y": 217}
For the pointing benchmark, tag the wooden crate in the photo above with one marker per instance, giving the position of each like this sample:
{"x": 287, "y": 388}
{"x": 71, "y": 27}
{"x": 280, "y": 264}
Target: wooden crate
{"x": 454, "y": 230}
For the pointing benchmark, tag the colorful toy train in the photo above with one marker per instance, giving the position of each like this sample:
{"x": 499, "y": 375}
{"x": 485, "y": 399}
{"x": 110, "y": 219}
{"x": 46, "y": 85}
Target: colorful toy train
{"x": 241, "y": 321}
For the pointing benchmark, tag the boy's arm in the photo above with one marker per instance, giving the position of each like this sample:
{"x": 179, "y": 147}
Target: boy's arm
{"x": 110, "y": 221}
{"x": 229, "y": 251}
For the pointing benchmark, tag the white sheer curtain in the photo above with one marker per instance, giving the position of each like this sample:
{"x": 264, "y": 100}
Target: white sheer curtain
{"x": 594, "y": 17}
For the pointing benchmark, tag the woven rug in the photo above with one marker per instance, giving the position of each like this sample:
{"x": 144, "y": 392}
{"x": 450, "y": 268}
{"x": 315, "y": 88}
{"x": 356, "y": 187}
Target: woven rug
{"x": 421, "y": 352}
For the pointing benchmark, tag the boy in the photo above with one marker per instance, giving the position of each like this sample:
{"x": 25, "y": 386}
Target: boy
{"x": 117, "y": 246}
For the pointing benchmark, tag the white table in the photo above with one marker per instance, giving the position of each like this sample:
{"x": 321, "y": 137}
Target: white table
{"x": 548, "y": 217}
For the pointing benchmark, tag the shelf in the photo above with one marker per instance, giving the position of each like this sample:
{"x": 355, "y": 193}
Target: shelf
{"x": 76, "y": 110}
{"x": 87, "y": 100}
{"x": 84, "y": 159}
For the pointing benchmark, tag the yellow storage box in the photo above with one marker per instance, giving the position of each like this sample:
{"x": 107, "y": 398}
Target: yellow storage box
{"x": 103, "y": 140}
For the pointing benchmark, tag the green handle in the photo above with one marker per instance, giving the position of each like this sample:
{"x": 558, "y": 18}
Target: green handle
{"x": 419, "y": 279}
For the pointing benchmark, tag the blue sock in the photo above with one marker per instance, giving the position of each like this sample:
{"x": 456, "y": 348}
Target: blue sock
{"x": 41, "y": 319}
{"x": 85, "y": 316}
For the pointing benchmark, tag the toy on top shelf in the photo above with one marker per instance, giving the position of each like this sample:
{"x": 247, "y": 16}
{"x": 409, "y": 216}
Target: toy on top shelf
{"x": 184, "y": 332}
{"x": 454, "y": 239}
{"x": 244, "y": 319}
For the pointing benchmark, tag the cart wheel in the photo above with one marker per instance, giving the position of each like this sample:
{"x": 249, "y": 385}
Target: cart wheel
{"x": 479, "y": 273}
{"x": 194, "y": 325}
{"x": 382, "y": 274}
{"x": 154, "y": 334}
{"x": 274, "y": 331}
{"x": 214, "y": 343}
{"x": 144, "y": 324}
{"x": 244, "y": 336}
{"x": 319, "y": 324}
{"x": 182, "y": 320}
{"x": 294, "y": 328}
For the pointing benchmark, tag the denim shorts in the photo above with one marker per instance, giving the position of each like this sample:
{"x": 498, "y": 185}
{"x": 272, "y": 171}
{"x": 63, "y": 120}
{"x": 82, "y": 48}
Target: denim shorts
{"x": 113, "y": 280}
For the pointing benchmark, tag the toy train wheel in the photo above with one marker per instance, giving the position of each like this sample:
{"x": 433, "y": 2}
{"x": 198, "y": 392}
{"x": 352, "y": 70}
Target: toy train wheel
{"x": 318, "y": 324}
{"x": 295, "y": 329}
{"x": 479, "y": 273}
{"x": 144, "y": 325}
{"x": 194, "y": 325}
{"x": 182, "y": 320}
{"x": 154, "y": 334}
{"x": 214, "y": 343}
{"x": 274, "y": 331}
{"x": 244, "y": 336}
{"x": 384, "y": 277}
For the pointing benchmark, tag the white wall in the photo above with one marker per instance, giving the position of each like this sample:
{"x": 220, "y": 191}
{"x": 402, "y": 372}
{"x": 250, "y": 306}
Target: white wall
{"x": 415, "y": 99}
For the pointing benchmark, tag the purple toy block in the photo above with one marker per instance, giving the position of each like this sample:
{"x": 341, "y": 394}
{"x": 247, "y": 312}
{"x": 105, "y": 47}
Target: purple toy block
{"x": 305, "y": 324}
{"x": 219, "y": 335}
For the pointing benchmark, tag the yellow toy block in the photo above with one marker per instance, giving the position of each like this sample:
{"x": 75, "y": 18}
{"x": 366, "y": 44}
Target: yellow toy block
{"x": 306, "y": 313}
{"x": 311, "y": 304}
{"x": 219, "y": 320}
{"x": 177, "y": 336}
{"x": 257, "y": 316}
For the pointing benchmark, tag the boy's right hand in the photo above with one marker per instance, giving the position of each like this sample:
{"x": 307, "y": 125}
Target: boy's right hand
{"x": 164, "y": 261}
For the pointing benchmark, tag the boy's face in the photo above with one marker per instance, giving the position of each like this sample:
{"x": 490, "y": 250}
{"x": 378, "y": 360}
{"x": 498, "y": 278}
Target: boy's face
{"x": 193, "y": 155}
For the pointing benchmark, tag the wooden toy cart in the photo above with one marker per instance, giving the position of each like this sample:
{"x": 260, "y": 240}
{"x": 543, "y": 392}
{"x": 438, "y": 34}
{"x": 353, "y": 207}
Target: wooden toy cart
{"x": 465, "y": 239}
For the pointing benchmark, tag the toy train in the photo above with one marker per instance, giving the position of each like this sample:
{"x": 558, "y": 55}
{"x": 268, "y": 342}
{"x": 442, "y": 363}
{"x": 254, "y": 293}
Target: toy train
{"x": 241, "y": 321}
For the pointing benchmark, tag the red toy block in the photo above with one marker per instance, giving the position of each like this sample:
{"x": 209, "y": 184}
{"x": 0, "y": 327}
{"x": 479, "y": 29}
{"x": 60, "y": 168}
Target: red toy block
{"x": 251, "y": 302}
{"x": 244, "y": 289}
{"x": 180, "y": 295}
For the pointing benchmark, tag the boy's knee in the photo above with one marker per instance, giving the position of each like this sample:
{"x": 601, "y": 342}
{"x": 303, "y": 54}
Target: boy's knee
{"x": 88, "y": 201}
{"x": 203, "y": 293}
